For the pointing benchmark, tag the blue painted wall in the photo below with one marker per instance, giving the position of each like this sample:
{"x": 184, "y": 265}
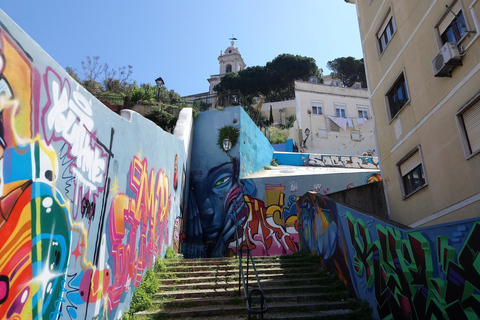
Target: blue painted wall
{"x": 255, "y": 150}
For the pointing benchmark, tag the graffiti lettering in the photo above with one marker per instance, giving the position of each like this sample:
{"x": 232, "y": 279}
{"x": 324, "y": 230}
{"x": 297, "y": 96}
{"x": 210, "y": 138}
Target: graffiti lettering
{"x": 317, "y": 160}
{"x": 145, "y": 214}
{"x": 404, "y": 274}
{"x": 88, "y": 209}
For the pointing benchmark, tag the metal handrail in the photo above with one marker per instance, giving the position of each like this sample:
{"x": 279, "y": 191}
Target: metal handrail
{"x": 255, "y": 296}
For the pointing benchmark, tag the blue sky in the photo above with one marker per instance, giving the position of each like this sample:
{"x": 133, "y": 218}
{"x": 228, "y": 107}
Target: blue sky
{"x": 180, "y": 40}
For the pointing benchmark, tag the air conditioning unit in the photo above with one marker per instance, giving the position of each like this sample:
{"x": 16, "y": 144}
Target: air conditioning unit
{"x": 446, "y": 59}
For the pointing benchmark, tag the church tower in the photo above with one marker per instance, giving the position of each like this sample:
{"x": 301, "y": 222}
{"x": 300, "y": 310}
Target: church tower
{"x": 230, "y": 61}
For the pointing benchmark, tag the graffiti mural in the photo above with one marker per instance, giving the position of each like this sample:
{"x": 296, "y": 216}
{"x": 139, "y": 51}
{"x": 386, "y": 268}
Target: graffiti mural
{"x": 83, "y": 211}
{"x": 428, "y": 273}
{"x": 220, "y": 201}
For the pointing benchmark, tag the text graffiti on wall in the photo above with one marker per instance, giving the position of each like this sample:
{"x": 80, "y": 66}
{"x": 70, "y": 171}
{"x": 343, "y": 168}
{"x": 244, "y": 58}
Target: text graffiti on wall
{"x": 68, "y": 249}
{"x": 415, "y": 277}
{"x": 318, "y": 160}
{"x": 427, "y": 274}
{"x": 144, "y": 215}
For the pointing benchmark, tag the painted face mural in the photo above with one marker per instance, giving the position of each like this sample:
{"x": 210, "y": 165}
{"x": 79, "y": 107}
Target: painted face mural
{"x": 219, "y": 207}
{"x": 220, "y": 202}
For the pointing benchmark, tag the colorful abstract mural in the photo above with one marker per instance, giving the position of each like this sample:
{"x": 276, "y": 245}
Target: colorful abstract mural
{"x": 86, "y": 204}
{"x": 427, "y": 273}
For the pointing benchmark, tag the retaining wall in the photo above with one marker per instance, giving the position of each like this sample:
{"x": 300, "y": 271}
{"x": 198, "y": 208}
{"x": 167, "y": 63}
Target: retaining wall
{"x": 424, "y": 273}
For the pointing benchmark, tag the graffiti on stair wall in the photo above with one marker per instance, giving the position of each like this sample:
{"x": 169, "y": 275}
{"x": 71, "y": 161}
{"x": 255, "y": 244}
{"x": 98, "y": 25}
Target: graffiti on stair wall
{"x": 83, "y": 210}
{"x": 220, "y": 202}
{"x": 428, "y": 273}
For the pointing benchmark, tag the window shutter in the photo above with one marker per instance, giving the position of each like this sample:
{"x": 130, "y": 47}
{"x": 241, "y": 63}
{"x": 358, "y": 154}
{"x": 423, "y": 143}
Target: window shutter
{"x": 471, "y": 120}
{"x": 411, "y": 163}
{"x": 449, "y": 17}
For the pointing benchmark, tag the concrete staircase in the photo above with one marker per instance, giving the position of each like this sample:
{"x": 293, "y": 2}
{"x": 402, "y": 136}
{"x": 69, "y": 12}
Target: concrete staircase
{"x": 296, "y": 287}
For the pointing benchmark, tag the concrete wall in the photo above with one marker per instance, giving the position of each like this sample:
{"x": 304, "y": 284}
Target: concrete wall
{"x": 403, "y": 273}
{"x": 368, "y": 198}
{"x": 90, "y": 199}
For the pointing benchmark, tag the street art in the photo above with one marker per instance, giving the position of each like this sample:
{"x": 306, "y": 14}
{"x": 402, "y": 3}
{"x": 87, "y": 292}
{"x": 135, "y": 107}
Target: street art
{"x": 430, "y": 273}
{"x": 318, "y": 160}
{"x": 82, "y": 213}
{"x": 222, "y": 206}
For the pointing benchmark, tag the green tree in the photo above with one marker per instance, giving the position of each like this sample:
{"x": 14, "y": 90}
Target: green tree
{"x": 349, "y": 70}
{"x": 162, "y": 119}
{"x": 275, "y": 81}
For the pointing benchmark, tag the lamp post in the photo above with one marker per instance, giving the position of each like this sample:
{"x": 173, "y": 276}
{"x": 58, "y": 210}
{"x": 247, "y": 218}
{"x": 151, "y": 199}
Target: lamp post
{"x": 160, "y": 83}
{"x": 227, "y": 145}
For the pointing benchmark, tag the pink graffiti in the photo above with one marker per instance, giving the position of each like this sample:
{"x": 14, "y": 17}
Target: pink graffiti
{"x": 145, "y": 215}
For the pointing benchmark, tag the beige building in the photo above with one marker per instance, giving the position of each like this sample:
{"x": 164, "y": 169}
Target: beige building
{"x": 423, "y": 70}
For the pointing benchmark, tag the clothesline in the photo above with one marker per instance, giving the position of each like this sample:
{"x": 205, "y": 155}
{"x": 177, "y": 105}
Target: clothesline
{"x": 343, "y": 122}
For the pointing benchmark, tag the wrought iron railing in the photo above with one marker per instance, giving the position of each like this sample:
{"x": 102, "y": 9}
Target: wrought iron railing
{"x": 256, "y": 300}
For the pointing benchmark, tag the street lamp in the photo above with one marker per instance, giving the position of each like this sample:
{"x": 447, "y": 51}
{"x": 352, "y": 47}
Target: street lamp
{"x": 227, "y": 144}
{"x": 160, "y": 83}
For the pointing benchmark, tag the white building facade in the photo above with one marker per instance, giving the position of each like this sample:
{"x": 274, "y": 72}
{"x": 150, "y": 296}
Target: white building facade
{"x": 334, "y": 120}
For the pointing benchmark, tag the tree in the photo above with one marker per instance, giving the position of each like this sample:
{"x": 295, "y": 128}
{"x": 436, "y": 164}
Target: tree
{"x": 349, "y": 70}
{"x": 114, "y": 80}
{"x": 162, "y": 118}
{"x": 275, "y": 81}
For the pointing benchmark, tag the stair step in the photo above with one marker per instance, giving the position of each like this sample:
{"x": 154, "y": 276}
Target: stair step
{"x": 234, "y": 277}
{"x": 296, "y": 287}
{"x": 205, "y": 310}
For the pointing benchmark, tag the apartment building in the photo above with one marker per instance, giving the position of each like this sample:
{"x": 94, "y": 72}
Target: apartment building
{"x": 423, "y": 71}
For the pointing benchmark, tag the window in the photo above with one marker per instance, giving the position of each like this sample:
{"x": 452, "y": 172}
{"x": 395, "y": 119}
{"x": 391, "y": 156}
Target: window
{"x": 313, "y": 80}
{"x": 397, "y": 96}
{"x": 317, "y": 107}
{"x": 411, "y": 171}
{"x": 455, "y": 30}
{"x": 335, "y": 83}
{"x": 452, "y": 25}
{"x": 229, "y": 68}
{"x": 340, "y": 110}
{"x": 363, "y": 112}
{"x": 357, "y": 86}
{"x": 385, "y": 33}
{"x": 468, "y": 119}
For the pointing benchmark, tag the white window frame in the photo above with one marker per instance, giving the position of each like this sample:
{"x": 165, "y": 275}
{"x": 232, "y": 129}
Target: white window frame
{"x": 408, "y": 164}
{"x": 317, "y": 104}
{"x": 363, "y": 109}
{"x": 464, "y": 129}
{"x": 340, "y": 106}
